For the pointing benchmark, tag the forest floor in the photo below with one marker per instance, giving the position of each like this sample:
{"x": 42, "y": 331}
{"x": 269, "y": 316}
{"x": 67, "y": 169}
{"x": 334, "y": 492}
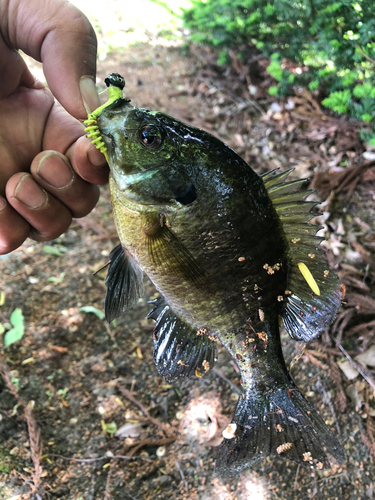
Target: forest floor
{"x": 72, "y": 376}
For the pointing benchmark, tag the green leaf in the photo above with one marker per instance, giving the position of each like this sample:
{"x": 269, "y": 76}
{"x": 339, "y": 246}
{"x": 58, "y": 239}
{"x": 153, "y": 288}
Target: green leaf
{"x": 51, "y": 250}
{"x": 362, "y": 90}
{"x": 91, "y": 309}
{"x": 15, "y": 333}
{"x": 366, "y": 117}
{"x": 272, "y": 90}
{"x": 110, "y": 428}
{"x": 58, "y": 280}
{"x": 338, "y": 101}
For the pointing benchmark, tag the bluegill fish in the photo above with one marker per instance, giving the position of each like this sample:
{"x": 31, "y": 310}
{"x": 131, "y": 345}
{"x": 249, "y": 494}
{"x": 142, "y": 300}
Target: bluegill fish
{"x": 230, "y": 253}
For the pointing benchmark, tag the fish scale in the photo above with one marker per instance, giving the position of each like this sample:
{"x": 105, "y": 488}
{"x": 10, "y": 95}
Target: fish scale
{"x": 230, "y": 253}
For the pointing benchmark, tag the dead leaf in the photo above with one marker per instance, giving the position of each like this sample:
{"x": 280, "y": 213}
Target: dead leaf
{"x": 348, "y": 370}
{"x": 129, "y": 430}
{"x": 367, "y": 357}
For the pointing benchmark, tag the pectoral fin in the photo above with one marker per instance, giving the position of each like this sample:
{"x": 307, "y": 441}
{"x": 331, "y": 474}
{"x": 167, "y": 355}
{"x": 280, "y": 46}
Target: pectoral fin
{"x": 179, "y": 350}
{"x": 170, "y": 255}
{"x": 124, "y": 283}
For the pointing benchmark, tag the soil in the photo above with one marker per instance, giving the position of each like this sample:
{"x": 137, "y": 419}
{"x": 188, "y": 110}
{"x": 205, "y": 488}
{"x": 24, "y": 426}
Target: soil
{"x": 73, "y": 379}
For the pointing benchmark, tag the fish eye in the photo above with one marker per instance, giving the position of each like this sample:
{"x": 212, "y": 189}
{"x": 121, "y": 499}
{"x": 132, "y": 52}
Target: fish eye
{"x": 150, "y": 137}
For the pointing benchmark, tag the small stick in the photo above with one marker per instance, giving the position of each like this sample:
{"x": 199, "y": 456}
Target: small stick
{"x": 167, "y": 431}
{"x": 231, "y": 385}
{"x": 368, "y": 379}
{"x": 182, "y": 477}
{"x": 106, "y": 457}
{"x": 295, "y": 481}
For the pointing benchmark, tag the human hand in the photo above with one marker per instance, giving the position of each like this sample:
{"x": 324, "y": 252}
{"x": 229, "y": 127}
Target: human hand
{"x": 48, "y": 168}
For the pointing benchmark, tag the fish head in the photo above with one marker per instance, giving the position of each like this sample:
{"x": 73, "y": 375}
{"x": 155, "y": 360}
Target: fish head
{"x": 148, "y": 154}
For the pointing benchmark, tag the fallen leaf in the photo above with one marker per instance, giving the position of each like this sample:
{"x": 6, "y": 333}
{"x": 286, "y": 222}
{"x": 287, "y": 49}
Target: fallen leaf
{"x": 367, "y": 357}
{"x": 129, "y": 430}
{"x": 348, "y": 370}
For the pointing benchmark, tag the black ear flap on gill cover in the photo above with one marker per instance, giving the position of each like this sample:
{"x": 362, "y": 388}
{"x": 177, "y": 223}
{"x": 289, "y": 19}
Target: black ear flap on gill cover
{"x": 179, "y": 349}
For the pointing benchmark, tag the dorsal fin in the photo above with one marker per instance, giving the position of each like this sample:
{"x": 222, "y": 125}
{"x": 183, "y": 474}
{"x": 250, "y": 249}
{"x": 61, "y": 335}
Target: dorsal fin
{"x": 124, "y": 283}
{"x": 313, "y": 294}
{"x": 179, "y": 349}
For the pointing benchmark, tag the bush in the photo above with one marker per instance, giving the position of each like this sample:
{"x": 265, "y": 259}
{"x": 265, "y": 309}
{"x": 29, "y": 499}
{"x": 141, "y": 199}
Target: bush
{"x": 333, "y": 44}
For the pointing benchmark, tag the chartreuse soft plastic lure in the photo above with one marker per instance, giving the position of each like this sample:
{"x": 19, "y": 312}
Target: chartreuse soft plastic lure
{"x": 115, "y": 84}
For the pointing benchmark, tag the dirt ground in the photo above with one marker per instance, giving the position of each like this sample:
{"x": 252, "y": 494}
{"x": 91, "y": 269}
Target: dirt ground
{"x": 73, "y": 379}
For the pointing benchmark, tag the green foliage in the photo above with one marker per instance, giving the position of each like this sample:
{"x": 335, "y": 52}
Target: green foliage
{"x": 57, "y": 250}
{"x": 338, "y": 101}
{"x": 110, "y": 428}
{"x": 58, "y": 280}
{"x": 15, "y": 327}
{"x": 94, "y": 310}
{"x": 333, "y": 44}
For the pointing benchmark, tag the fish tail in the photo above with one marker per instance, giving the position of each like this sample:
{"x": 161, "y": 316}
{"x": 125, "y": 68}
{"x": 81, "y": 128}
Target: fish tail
{"x": 279, "y": 423}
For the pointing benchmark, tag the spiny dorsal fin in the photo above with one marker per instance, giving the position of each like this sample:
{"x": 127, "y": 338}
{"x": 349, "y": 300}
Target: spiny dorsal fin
{"x": 124, "y": 283}
{"x": 313, "y": 294}
{"x": 179, "y": 350}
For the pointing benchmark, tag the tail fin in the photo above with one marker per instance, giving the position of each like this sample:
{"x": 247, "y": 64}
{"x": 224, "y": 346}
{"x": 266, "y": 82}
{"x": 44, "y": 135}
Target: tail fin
{"x": 280, "y": 423}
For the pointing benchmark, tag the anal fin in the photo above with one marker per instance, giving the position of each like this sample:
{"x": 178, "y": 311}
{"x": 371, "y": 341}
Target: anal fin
{"x": 179, "y": 351}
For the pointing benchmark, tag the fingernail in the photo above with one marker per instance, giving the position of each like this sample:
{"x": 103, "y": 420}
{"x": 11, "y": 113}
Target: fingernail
{"x": 53, "y": 169}
{"x": 90, "y": 96}
{"x": 96, "y": 158}
{"x": 29, "y": 193}
{"x": 3, "y": 203}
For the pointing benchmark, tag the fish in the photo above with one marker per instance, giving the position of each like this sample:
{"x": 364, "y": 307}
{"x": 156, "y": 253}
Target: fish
{"x": 230, "y": 252}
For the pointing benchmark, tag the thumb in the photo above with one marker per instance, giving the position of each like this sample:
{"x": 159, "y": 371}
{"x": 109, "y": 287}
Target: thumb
{"x": 59, "y": 35}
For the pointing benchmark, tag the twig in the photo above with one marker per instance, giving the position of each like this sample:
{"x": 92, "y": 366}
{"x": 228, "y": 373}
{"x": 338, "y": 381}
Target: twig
{"x": 295, "y": 480}
{"x": 107, "y": 492}
{"x": 35, "y": 446}
{"x": 340, "y": 393}
{"x": 367, "y": 377}
{"x": 341, "y": 323}
{"x": 331, "y": 477}
{"x": 131, "y": 398}
{"x": 364, "y": 54}
{"x": 105, "y": 457}
{"x": 165, "y": 428}
{"x": 315, "y": 361}
{"x": 231, "y": 385}
{"x": 315, "y": 490}
{"x": 369, "y": 425}
{"x": 152, "y": 442}
{"x": 182, "y": 477}
{"x": 297, "y": 357}
{"x": 32, "y": 426}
